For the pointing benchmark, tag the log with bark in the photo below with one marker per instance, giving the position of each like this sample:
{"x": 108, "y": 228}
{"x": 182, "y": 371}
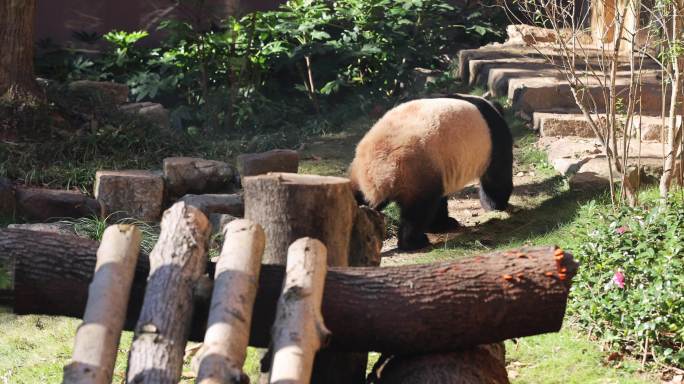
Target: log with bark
{"x": 481, "y": 364}
{"x": 407, "y": 309}
{"x": 177, "y": 262}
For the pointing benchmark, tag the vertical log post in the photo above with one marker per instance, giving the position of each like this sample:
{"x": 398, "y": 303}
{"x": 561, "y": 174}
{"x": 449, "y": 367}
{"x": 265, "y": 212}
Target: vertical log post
{"x": 236, "y": 281}
{"x": 177, "y": 262}
{"x": 291, "y": 206}
{"x": 299, "y": 331}
{"x": 97, "y": 338}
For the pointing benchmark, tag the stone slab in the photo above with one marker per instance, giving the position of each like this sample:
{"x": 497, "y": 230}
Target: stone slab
{"x": 572, "y": 124}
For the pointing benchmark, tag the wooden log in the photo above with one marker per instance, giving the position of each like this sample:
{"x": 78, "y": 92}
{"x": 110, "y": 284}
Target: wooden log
{"x": 481, "y": 364}
{"x": 176, "y": 264}
{"x": 97, "y": 338}
{"x": 291, "y": 206}
{"x": 223, "y": 353}
{"x": 368, "y": 232}
{"x": 406, "y": 309}
{"x": 299, "y": 331}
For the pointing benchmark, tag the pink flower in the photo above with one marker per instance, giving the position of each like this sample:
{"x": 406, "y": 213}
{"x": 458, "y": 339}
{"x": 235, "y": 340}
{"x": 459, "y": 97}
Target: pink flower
{"x": 621, "y": 230}
{"x": 619, "y": 279}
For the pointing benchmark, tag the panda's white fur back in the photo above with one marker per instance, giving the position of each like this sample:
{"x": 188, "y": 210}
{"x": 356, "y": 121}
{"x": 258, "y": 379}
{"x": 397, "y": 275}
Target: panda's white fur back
{"x": 418, "y": 140}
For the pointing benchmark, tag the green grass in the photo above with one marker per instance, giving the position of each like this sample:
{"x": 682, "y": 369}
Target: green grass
{"x": 567, "y": 357}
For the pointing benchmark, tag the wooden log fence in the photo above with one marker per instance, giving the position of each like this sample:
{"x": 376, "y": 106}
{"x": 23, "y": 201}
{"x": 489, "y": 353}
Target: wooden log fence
{"x": 431, "y": 310}
{"x": 515, "y": 293}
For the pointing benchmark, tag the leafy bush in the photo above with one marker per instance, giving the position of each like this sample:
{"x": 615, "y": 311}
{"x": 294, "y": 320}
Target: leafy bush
{"x": 246, "y": 73}
{"x": 629, "y": 287}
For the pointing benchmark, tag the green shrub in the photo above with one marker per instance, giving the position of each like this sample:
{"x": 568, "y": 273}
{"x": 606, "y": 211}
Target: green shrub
{"x": 265, "y": 70}
{"x": 646, "y": 246}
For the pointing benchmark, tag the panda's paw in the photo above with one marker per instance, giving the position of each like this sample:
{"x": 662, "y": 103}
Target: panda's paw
{"x": 448, "y": 225}
{"x": 413, "y": 243}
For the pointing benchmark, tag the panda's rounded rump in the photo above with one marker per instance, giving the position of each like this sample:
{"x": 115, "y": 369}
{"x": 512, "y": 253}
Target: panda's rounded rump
{"x": 420, "y": 139}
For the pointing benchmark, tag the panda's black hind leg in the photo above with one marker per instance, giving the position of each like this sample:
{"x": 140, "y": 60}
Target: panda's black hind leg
{"x": 442, "y": 222}
{"x": 415, "y": 219}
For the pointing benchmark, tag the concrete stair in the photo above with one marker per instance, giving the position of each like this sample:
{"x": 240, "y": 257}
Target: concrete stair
{"x": 541, "y": 93}
{"x": 534, "y": 85}
{"x": 574, "y": 124}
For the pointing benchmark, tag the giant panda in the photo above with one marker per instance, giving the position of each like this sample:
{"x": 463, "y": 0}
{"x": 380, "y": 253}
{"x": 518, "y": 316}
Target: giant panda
{"x": 425, "y": 149}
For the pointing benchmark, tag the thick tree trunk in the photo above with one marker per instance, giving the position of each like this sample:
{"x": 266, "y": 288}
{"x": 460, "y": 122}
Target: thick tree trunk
{"x": 176, "y": 264}
{"x": 482, "y": 364}
{"x": 97, "y": 339}
{"x": 407, "y": 309}
{"x": 236, "y": 281}
{"x": 291, "y": 206}
{"x": 299, "y": 330}
{"x": 17, "y": 81}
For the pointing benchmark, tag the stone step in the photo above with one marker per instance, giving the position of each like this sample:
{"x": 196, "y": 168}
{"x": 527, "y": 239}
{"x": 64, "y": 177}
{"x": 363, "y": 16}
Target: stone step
{"x": 573, "y": 124}
{"x": 515, "y": 54}
{"x": 583, "y": 161}
{"x": 547, "y": 94}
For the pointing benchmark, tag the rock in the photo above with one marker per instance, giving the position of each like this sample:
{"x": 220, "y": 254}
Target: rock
{"x": 651, "y": 127}
{"x": 58, "y": 228}
{"x": 8, "y": 202}
{"x": 38, "y": 204}
{"x": 219, "y": 220}
{"x": 529, "y": 35}
{"x": 277, "y": 160}
{"x": 231, "y": 204}
{"x": 193, "y": 175}
{"x": 587, "y": 181}
{"x": 130, "y": 193}
{"x": 422, "y": 77}
{"x": 117, "y": 93}
{"x": 154, "y": 112}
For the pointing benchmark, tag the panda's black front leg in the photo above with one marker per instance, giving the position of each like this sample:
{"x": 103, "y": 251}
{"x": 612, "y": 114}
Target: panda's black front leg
{"x": 415, "y": 219}
{"x": 442, "y": 222}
